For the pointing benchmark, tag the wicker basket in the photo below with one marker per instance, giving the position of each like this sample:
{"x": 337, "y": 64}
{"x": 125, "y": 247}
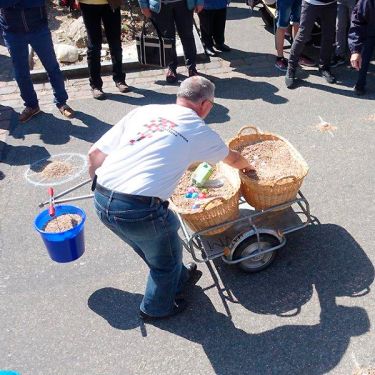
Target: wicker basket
{"x": 264, "y": 194}
{"x": 216, "y": 211}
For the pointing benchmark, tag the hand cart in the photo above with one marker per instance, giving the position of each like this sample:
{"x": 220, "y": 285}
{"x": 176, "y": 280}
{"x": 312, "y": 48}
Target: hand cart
{"x": 252, "y": 240}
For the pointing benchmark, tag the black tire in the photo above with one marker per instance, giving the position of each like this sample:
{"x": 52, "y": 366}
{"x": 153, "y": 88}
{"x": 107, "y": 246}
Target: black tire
{"x": 249, "y": 245}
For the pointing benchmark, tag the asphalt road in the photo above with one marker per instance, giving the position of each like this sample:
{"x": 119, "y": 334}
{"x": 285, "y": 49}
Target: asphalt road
{"x": 311, "y": 312}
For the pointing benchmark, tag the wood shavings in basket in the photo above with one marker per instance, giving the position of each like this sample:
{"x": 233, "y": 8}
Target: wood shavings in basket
{"x": 364, "y": 371}
{"x": 179, "y": 200}
{"x": 272, "y": 160}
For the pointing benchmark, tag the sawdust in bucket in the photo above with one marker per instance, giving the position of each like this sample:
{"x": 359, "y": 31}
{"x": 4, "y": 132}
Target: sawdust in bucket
{"x": 271, "y": 160}
{"x": 62, "y": 223}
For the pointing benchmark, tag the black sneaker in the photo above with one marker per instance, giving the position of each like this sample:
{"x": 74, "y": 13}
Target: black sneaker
{"x": 179, "y": 306}
{"x": 98, "y": 94}
{"x": 327, "y": 75}
{"x": 171, "y": 76}
{"x": 337, "y": 61}
{"x": 290, "y": 77}
{"x": 359, "y": 90}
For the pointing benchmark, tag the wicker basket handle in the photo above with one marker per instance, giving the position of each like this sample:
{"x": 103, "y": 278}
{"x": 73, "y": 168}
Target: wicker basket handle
{"x": 257, "y": 131}
{"x": 222, "y": 200}
{"x": 294, "y": 178}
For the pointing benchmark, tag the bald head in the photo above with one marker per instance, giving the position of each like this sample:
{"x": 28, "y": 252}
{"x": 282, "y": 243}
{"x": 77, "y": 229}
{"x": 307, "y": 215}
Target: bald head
{"x": 196, "y": 89}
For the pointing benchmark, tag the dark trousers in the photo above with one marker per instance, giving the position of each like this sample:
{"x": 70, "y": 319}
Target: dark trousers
{"x": 212, "y": 24}
{"x": 41, "y": 41}
{"x": 309, "y": 14}
{"x": 93, "y": 16}
{"x": 366, "y": 54}
{"x": 177, "y": 15}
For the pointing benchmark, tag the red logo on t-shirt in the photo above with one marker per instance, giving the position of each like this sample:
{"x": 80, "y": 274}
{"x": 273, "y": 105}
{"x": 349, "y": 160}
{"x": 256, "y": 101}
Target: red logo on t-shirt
{"x": 156, "y": 125}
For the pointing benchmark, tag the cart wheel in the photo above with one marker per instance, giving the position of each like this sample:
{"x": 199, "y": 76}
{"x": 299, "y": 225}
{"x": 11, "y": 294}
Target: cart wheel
{"x": 250, "y": 246}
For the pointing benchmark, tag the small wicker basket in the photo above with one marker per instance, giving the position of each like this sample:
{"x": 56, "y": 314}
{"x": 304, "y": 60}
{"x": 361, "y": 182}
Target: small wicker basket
{"x": 217, "y": 210}
{"x": 264, "y": 194}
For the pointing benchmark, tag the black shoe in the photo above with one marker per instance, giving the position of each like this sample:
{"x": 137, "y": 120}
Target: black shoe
{"x": 223, "y": 47}
{"x": 98, "y": 94}
{"x": 337, "y": 61}
{"x": 290, "y": 77}
{"x": 210, "y": 52}
{"x": 194, "y": 277}
{"x": 327, "y": 75}
{"x": 359, "y": 90}
{"x": 171, "y": 76}
{"x": 193, "y": 72}
{"x": 122, "y": 87}
{"x": 179, "y": 306}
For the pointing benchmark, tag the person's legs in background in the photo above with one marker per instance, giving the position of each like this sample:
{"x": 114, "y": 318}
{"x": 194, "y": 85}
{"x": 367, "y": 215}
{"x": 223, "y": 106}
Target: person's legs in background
{"x": 220, "y": 19}
{"x": 206, "y": 23}
{"x": 41, "y": 42}
{"x": 327, "y": 16}
{"x": 309, "y": 14}
{"x": 112, "y": 27}
{"x": 17, "y": 45}
{"x": 183, "y": 18}
{"x": 92, "y": 18}
{"x": 283, "y": 10}
{"x": 368, "y": 49}
{"x": 344, "y": 11}
{"x": 165, "y": 23}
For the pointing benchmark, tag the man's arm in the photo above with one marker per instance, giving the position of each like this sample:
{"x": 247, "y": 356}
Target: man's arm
{"x": 96, "y": 159}
{"x": 236, "y": 160}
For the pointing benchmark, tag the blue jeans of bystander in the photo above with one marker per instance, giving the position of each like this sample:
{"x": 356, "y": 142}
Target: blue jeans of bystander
{"x": 150, "y": 228}
{"x": 41, "y": 42}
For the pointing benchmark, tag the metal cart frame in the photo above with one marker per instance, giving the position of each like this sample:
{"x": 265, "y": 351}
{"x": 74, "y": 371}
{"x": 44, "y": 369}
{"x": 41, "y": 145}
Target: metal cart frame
{"x": 276, "y": 221}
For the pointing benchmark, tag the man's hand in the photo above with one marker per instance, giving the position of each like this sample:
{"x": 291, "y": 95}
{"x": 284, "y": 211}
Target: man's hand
{"x": 198, "y": 8}
{"x": 250, "y": 168}
{"x": 146, "y": 12}
{"x": 356, "y": 61}
{"x": 236, "y": 160}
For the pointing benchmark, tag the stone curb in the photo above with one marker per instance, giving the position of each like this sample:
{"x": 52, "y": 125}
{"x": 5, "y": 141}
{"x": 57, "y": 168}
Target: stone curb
{"x": 129, "y": 63}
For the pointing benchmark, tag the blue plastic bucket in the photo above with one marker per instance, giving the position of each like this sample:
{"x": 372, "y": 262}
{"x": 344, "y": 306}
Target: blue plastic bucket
{"x": 65, "y": 246}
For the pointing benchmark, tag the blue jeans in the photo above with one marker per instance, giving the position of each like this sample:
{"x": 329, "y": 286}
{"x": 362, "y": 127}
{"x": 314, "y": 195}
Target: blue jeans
{"x": 367, "y": 51}
{"x": 287, "y": 11}
{"x": 150, "y": 228}
{"x": 41, "y": 42}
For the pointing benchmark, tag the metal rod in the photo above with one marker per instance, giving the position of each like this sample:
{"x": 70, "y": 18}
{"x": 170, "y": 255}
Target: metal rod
{"x": 42, "y": 204}
{"x": 75, "y": 198}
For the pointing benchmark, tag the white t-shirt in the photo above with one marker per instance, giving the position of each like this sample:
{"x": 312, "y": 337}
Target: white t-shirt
{"x": 150, "y": 149}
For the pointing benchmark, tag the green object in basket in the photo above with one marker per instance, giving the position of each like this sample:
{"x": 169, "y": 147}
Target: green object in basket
{"x": 201, "y": 175}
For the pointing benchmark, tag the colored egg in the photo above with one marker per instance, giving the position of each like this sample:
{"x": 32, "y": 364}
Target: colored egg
{"x": 188, "y": 195}
{"x": 194, "y": 195}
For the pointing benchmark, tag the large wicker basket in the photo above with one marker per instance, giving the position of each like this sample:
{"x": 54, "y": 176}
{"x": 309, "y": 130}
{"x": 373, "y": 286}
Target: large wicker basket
{"x": 216, "y": 211}
{"x": 264, "y": 194}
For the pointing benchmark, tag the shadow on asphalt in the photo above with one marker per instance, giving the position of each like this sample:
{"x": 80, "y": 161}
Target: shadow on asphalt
{"x": 58, "y": 131}
{"x": 235, "y": 13}
{"x": 321, "y": 257}
{"x": 6, "y": 69}
{"x": 237, "y": 88}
